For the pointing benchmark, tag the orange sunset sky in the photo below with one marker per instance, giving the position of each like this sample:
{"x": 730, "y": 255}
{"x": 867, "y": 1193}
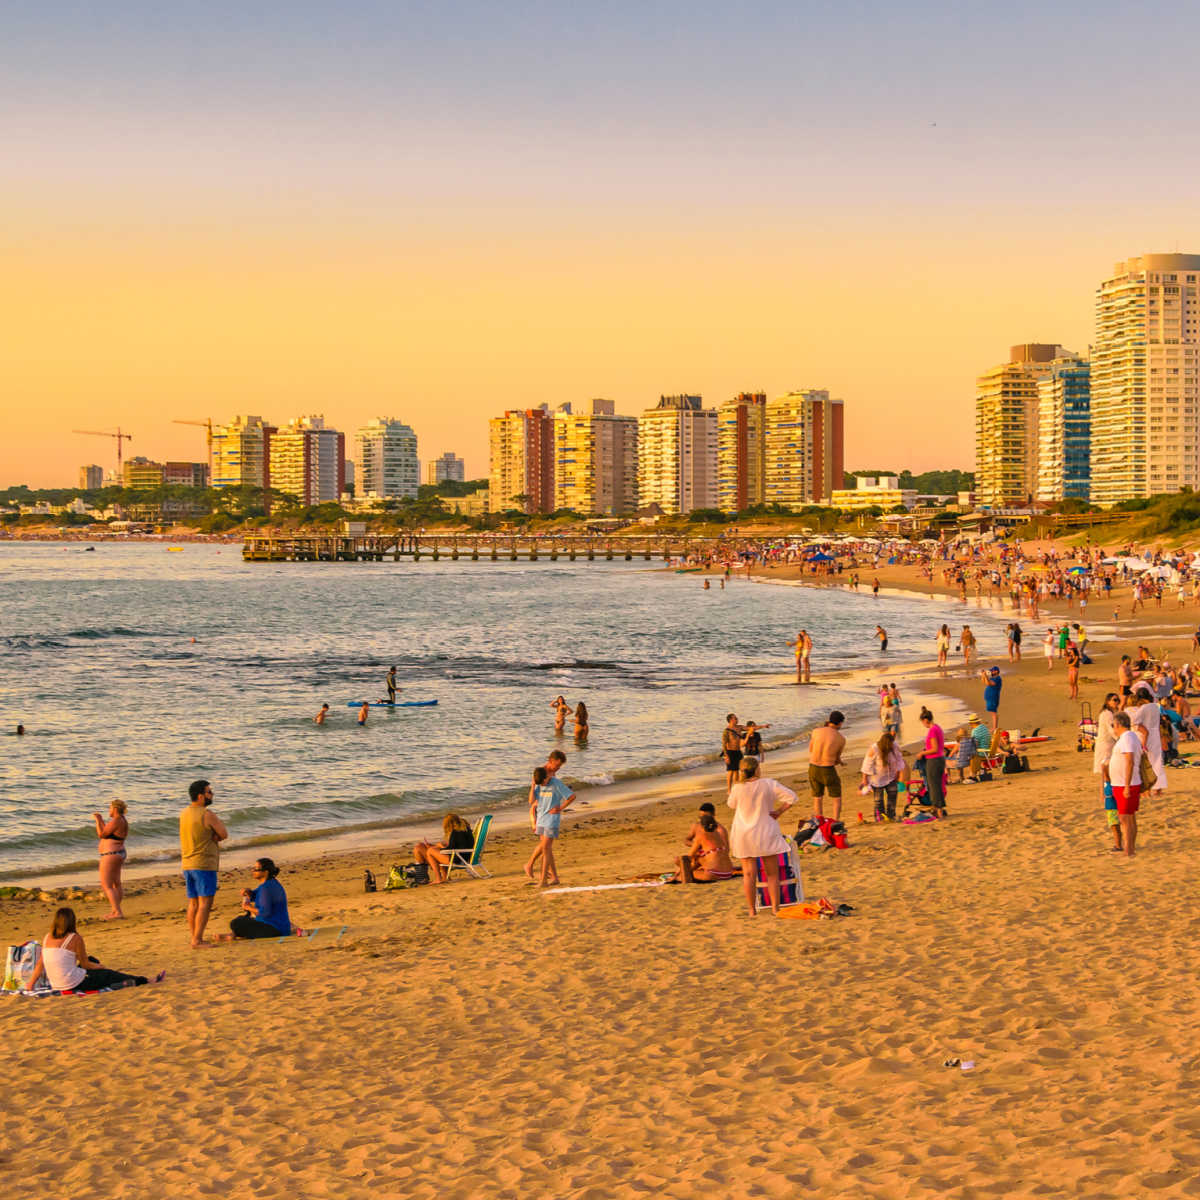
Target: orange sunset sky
{"x": 435, "y": 215}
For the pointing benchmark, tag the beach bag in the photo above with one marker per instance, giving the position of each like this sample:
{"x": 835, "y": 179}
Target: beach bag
{"x": 19, "y": 967}
{"x": 411, "y": 876}
{"x": 1149, "y": 775}
{"x": 1014, "y": 764}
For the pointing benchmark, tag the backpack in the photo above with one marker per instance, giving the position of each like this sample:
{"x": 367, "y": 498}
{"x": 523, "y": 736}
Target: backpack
{"x": 1015, "y": 764}
{"x": 411, "y": 876}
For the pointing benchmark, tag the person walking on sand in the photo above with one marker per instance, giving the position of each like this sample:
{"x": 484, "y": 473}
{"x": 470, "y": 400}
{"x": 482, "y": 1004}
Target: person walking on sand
{"x": 754, "y": 832}
{"x": 554, "y": 762}
{"x": 1125, "y": 773}
{"x": 943, "y": 646}
{"x": 551, "y": 798}
{"x": 112, "y": 834}
{"x": 1048, "y": 649}
{"x": 201, "y": 833}
{"x": 967, "y": 642}
{"x": 1072, "y": 671}
{"x": 825, "y": 748}
{"x": 881, "y": 634}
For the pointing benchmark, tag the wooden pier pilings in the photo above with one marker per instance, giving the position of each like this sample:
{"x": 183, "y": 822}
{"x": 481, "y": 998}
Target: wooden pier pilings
{"x": 339, "y": 547}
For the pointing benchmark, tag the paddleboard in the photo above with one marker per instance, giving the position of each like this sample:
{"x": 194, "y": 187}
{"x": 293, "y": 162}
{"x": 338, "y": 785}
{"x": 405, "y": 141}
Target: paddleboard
{"x": 398, "y": 704}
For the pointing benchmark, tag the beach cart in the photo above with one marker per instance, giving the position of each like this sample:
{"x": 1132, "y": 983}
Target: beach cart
{"x": 1088, "y": 728}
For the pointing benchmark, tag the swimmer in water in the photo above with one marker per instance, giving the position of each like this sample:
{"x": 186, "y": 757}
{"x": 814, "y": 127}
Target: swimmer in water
{"x": 364, "y": 712}
{"x": 561, "y": 709}
{"x": 20, "y": 731}
{"x": 581, "y": 722}
{"x": 319, "y": 719}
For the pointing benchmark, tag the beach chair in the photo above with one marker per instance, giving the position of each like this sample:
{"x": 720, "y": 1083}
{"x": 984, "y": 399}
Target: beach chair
{"x": 472, "y": 860}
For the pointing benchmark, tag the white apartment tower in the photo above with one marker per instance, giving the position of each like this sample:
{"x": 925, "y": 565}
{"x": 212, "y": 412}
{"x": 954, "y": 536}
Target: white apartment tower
{"x": 241, "y": 453}
{"x": 385, "y": 460}
{"x": 677, "y": 455}
{"x": 1145, "y": 386}
{"x": 595, "y": 459}
{"x": 307, "y": 460}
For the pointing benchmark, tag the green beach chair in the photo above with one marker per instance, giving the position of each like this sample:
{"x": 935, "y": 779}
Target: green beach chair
{"x": 472, "y": 860}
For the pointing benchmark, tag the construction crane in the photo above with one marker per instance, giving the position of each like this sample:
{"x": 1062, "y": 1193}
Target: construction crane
{"x": 205, "y": 424}
{"x": 126, "y": 437}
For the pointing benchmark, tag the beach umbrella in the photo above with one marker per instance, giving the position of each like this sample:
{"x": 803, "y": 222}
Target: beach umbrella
{"x": 1077, "y": 571}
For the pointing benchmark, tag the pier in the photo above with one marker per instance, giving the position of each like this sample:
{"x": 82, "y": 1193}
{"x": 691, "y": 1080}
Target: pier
{"x": 380, "y": 547}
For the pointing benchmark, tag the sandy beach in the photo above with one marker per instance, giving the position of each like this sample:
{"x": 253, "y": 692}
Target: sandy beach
{"x": 483, "y": 1039}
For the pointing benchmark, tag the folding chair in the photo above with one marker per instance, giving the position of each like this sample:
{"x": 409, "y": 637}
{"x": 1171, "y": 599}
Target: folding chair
{"x": 471, "y": 860}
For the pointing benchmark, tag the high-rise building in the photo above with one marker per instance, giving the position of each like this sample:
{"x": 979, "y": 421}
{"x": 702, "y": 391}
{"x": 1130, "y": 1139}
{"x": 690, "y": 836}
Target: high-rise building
{"x": 185, "y": 474}
{"x": 241, "y": 453}
{"x": 677, "y": 455}
{"x": 91, "y": 477}
{"x": 448, "y": 468}
{"x": 1145, "y": 406}
{"x": 141, "y": 474}
{"x": 307, "y": 460}
{"x": 595, "y": 459}
{"x": 805, "y": 435}
{"x": 741, "y": 451}
{"x": 1064, "y": 431}
{"x": 521, "y": 473}
{"x": 385, "y": 460}
{"x": 1006, "y": 425}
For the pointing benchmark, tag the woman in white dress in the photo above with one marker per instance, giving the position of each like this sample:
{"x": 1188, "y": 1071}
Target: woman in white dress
{"x": 754, "y": 831}
{"x": 1144, "y": 711}
{"x": 1106, "y": 739}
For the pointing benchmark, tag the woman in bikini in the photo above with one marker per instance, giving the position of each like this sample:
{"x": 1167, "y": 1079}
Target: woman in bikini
{"x": 112, "y": 834}
{"x": 581, "y": 722}
{"x": 709, "y": 860}
{"x": 561, "y": 708}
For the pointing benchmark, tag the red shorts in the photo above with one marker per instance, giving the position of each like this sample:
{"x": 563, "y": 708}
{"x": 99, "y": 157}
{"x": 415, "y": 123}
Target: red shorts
{"x": 1128, "y": 798}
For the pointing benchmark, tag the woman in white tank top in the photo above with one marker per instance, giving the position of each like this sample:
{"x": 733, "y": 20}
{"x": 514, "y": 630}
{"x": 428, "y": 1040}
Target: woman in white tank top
{"x": 66, "y": 964}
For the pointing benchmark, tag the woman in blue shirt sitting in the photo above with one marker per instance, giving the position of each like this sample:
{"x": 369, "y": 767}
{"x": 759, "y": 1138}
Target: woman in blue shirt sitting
{"x": 266, "y": 910}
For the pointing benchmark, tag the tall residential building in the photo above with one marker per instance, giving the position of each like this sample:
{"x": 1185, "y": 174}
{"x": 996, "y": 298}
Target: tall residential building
{"x": 91, "y": 477}
{"x": 241, "y": 455}
{"x": 141, "y": 474}
{"x": 595, "y": 459}
{"x": 805, "y": 455}
{"x": 521, "y": 473}
{"x": 1146, "y": 379}
{"x": 1006, "y": 431}
{"x": 307, "y": 460}
{"x": 185, "y": 474}
{"x": 1064, "y": 427}
{"x": 677, "y": 455}
{"x": 741, "y": 451}
{"x": 385, "y": 460}
{"x": 448, "y": 468}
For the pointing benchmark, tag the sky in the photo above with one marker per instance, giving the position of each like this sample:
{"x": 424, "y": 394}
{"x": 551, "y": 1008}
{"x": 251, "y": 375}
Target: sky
{"x": 437, "y": 211}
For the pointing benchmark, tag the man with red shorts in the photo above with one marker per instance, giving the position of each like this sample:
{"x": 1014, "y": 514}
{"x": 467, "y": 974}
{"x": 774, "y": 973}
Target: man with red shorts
{"x": 1125, "y": 774}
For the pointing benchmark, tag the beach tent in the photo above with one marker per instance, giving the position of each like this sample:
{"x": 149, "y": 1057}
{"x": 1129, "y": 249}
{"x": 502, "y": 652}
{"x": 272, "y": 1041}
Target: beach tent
{"x": 819, "y": 557}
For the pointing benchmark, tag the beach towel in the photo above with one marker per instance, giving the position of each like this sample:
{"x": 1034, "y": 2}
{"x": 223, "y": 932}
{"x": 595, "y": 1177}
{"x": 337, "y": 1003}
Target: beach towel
{"x": 50, "y": 994}
{"x": 791, "y": 886}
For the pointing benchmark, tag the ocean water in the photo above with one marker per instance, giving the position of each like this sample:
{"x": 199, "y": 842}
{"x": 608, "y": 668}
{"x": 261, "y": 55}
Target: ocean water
{"x": 97, "y": 660}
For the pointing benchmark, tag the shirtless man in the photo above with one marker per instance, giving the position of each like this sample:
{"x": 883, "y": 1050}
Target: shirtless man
{"x": 391, "y": 685}
{"x": 803, "y": 648}
{"x": 731, "y": 749}
{"x": 1125, "y": 677}
{"x": 364, "y": 712}
{"x": 693, "y": 833}
{"x": 824, "y": 757}
{"x": 319, "y": 719}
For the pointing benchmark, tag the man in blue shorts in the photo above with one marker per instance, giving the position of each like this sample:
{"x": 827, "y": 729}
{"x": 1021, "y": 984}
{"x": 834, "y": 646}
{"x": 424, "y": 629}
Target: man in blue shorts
{"x": 992, "y": 683}
{"x": 201, "y": 833}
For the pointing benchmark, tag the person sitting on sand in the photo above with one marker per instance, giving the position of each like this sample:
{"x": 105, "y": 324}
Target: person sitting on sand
{"x": 706, "y": 809}
{"x": 709, "y": 860}
{"x": 457, "y": 835}
{"x": 67, "y": 965}
{"x": 265, "y": 905}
